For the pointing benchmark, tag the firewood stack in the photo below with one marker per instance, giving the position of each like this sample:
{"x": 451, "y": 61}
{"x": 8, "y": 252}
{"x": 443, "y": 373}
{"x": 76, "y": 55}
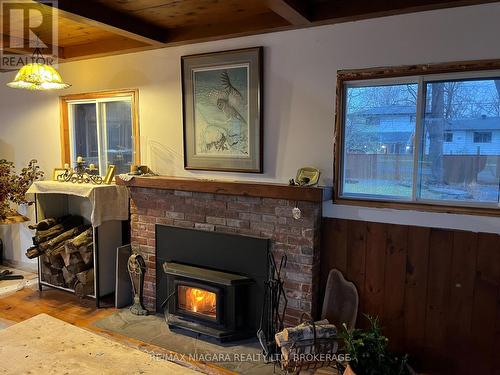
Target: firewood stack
{"x": 66, "y": 250}
{"x": 306, "y": 345}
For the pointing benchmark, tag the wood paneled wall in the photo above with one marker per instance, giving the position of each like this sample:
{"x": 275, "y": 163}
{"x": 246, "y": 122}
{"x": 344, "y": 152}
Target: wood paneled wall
{"x": 436, "y": 291}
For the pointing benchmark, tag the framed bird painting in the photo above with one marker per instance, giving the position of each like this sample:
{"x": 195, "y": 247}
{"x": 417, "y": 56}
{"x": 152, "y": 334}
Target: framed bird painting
{"x": 222, "y": 109}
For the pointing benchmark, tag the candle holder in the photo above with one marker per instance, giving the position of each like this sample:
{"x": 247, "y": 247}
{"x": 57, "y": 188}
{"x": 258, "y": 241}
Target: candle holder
{"x": 81, "y": 173}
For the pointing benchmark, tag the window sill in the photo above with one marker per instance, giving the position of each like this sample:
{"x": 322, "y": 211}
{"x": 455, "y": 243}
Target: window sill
{"x": 426, "y": 207}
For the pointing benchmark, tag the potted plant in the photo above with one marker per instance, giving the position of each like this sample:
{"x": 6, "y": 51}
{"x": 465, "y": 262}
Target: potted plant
{"x": 13, "y": 188}
{"x": 368, "y": 354}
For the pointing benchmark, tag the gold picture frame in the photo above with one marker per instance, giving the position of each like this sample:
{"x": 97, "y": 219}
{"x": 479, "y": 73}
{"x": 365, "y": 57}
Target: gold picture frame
{"x": 57, "y": 172}
{"x": 110, "y": 174}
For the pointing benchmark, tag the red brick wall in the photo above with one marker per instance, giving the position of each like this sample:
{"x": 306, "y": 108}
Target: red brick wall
{"x": 263, "y": 217}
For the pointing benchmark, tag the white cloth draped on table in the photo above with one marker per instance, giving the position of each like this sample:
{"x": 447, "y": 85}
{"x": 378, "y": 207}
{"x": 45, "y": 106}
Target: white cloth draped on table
{"x": 109, "y": 202}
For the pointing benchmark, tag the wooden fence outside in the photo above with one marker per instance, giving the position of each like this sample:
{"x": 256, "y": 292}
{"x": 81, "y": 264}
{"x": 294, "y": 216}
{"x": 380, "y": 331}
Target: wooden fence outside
{"x": 399, "y": 167}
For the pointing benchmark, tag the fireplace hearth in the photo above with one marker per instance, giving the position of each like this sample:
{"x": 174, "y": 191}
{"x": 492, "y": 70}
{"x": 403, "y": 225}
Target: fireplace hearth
{"x": 240, "y": 208}
{"x": 206, "y": 301}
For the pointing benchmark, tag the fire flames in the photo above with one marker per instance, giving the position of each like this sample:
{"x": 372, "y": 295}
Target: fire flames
{"x": 199, "y": 301}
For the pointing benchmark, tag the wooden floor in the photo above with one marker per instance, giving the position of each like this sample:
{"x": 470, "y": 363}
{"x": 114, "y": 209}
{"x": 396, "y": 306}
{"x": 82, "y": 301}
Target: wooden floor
{"x": 27, "y": 303}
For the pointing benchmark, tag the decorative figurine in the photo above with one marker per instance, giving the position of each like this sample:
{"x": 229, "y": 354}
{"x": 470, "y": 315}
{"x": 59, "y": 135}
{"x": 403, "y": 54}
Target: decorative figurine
{"x": 137, "y": 268}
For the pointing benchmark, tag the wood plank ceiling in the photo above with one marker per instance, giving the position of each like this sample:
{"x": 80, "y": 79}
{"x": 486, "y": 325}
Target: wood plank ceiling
{"x": 94, "y": 28}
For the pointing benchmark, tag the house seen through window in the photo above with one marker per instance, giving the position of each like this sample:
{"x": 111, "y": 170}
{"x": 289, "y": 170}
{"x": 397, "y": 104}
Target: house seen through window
{"x": 449, "y": 155}
{"x": 482, "y": 137}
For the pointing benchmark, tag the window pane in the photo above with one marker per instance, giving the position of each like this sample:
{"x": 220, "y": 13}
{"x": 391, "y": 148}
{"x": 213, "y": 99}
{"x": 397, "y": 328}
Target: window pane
{"x": 378, "y": 140}
{"x": 85, "y": 133}
{"x": 461, "y": 141}
{"x": 119, "y": 142}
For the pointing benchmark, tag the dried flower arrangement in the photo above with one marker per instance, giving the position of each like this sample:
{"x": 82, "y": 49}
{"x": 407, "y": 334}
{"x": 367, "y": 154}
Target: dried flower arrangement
{"x": 13, "y": 186}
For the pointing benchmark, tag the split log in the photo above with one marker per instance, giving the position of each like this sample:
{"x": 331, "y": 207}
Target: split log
{"x": 55, "y": 251}
{"x": 45, "y": 235}
{"x": 305, "y": 331}
{"x": 45, "y": 259}
{"x": 84, "y": 253}
{"x": 33, "y": 252}
{"x": 82, "y": 239}
{"x": 82, "y": 290}
{"x": 69, "y": 278}
{"x": 60, "y": 239}
{"x": 47, "y": 223}
{"x": 56, "y": 230}
{"x": 77, "y": 267}
{"x": 304, "y": 347}
{"x": 321, "y": 322}
{"x": 46, "y": 269}
{"x": 87, "y": 253}
{"x": 71, "y": 258}
{"x": 86, "y": 277}
{"x": 52, "y": 275}
{"x": 280, "y": 339}
{"x": 56, "y": 261}
{"x": 57, "y": 279}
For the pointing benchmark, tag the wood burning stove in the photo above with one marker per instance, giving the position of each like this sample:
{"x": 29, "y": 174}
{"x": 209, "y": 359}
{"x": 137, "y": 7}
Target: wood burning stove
{"x": 232, "y": 267}
{"x": 207, "y": 301}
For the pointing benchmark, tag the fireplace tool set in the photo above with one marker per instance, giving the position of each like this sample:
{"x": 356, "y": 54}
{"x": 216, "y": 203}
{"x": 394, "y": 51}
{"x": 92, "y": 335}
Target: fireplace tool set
{"x": 273, "y": 309}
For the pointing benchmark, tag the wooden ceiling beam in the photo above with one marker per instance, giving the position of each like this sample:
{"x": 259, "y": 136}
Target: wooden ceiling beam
{"x": 328, "y": 12}
{"x": 257, "y": 24}
{"x": 295, "y": 12}
{"x": 106, "y": 47}
{"x": 27, "y": 51}
{"x": 109, "y": 19}
{"x": 263, "y": 23}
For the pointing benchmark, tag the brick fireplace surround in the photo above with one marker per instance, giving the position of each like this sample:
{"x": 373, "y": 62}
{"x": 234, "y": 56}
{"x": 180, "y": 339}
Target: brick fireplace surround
{"x": 262, "y": 210}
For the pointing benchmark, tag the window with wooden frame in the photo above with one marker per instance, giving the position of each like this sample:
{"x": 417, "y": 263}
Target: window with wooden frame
{"x": 102, "y": 127}
{"x": 420, "y": 137}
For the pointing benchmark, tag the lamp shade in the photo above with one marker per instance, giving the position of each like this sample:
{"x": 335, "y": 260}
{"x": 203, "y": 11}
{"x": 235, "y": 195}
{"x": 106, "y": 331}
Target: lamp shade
{"x": 38, "y": 77}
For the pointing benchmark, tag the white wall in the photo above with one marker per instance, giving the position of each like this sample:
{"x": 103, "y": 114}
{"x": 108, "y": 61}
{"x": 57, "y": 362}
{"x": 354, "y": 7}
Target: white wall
{"x": 299, "y": 93}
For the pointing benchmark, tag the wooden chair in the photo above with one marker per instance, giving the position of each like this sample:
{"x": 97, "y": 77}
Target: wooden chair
{"x": 340, "y": 304}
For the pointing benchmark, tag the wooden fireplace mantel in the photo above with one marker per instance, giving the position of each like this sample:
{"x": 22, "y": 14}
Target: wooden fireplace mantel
{"x": 247, "y": 188}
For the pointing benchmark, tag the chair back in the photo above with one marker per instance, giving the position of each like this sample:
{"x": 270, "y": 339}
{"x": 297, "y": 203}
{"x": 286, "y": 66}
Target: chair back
{"x": 340, "y": 304}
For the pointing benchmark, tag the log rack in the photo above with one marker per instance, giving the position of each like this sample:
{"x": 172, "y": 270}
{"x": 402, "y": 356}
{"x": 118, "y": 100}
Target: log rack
{"x": 106, "y": 238}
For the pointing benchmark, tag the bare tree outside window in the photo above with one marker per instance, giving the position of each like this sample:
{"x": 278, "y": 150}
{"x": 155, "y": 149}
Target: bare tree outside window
{"x": 379, "y": 144}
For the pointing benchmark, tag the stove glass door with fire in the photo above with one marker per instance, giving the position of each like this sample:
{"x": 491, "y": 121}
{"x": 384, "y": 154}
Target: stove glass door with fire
{"x": 199, "y": 301}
